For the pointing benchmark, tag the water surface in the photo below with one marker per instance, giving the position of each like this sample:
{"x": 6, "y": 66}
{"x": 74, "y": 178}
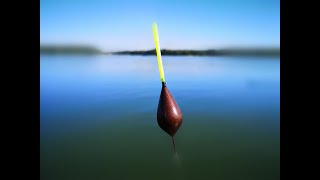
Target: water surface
{"x": 98, "y": 118}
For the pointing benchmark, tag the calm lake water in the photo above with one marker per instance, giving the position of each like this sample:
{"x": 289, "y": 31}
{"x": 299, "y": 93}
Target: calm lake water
{"x": 98, "y": 118}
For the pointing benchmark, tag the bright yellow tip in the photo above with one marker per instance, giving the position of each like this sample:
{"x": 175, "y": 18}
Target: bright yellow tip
{"x": 156, "y": 41}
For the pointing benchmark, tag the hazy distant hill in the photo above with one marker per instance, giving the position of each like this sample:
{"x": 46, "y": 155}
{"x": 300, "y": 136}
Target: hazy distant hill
{"x": 68, "y": 49}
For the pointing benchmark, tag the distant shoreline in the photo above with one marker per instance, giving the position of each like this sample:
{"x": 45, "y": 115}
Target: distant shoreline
{"x": 212, "y": 52}
{"x": 89, "y": 50}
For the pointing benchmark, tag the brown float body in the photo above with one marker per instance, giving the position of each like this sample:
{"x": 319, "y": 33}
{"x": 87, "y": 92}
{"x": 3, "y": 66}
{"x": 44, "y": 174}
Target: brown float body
{"x": 169, "y": 115}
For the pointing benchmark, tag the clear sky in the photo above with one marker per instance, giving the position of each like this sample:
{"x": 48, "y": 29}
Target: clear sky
{"x": 182, "y": 24}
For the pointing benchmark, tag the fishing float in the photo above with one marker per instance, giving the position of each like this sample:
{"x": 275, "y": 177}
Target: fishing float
{"x": 169, "y": 115}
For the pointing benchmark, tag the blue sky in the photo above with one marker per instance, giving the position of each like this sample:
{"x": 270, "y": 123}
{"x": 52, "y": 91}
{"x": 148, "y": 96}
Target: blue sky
{"x": 189, "y": 24}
